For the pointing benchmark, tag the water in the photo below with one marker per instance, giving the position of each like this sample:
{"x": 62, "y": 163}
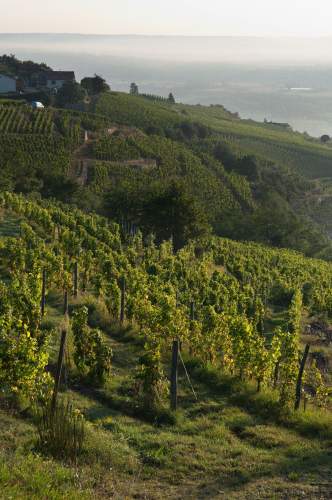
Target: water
{"x": 283, "y": 80}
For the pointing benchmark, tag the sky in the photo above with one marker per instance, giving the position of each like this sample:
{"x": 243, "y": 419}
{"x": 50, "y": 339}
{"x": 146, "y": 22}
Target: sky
{"x": 172, "y": 17}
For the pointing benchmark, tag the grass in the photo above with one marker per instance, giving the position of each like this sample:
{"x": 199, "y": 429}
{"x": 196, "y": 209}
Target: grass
{"x": 229, "y": 444}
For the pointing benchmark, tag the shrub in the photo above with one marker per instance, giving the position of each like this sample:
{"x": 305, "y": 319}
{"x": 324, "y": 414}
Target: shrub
{"x": 92, "y": 356}
{"x": 62, "y": 432}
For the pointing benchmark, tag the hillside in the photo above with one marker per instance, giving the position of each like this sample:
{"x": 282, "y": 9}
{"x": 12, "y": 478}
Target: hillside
{"x": 143, "y": 150}
{"x": 110, "y": 420}
{"x": 231, "y": 441}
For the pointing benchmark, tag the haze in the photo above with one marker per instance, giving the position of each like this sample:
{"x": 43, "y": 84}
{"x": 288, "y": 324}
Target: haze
{"x": 175, "y": 17}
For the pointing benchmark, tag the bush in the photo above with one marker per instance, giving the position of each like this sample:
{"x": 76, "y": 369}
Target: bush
{"x": 92, "y": 356}
{"x": 62, "y": 433}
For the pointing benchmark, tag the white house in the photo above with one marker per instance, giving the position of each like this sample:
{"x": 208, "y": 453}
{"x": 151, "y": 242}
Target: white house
{"x": 56, "y": 79}
{"x": 7, "y": 84}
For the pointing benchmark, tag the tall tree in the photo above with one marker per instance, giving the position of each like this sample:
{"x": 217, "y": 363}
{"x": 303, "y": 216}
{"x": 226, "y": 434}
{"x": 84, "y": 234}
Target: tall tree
{"x": 95, "y": 85}
{"x": 134, "y": 89}
{"x": 171, "y": 98}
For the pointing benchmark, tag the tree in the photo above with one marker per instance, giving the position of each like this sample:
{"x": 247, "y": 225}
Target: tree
{"x": 325, "y": 138}
{"x": 70, "y": 93}
{"x": 171, "y": 99}
{"x": 173, "y": 213}
{"x": 95, "y": 85}
{"x": 134, "y": 89}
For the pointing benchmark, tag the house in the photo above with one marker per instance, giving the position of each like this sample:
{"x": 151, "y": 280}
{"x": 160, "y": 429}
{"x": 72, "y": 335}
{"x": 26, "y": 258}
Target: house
{"x": 7, "y": 84}
{"x": 56, "y": 79}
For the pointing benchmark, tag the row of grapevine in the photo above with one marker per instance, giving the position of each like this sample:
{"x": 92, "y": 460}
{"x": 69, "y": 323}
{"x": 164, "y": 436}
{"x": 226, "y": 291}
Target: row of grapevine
{"x": 24, "y": 120}
{"x": 229, "y": 285}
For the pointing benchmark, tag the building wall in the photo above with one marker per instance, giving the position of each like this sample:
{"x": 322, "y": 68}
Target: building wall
{"x": 55, "y": 84}
{"x": 7, "y": 84}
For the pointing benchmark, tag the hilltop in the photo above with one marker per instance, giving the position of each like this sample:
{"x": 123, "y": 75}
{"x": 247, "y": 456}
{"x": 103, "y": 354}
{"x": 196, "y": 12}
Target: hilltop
{"x": 243, "y": 179}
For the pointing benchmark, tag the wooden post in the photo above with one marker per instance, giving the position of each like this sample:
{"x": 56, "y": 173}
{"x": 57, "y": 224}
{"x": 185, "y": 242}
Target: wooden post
{"x": 174, "y": 375}
{"x": 276, "y": 374}
{"x": 192, "y": 318}
{"x": 43, "y": 297}
{"x": 192, "y": 311}
{"x": 76, "y": 279}
{"x": 58, "y": 371}
{"x": 300, "y": 376}
{"x": 123, "y": 299}
{"x": 65, "y": 303}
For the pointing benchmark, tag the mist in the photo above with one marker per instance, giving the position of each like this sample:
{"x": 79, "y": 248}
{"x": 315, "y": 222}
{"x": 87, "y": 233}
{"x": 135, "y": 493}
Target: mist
{"x": 230, "y": 49}
{"x": 280, "y": 79}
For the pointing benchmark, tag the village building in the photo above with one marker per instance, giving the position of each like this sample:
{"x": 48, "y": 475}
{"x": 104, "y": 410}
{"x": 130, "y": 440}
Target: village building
{"x": 8, "y": 84}
{"x": 56, "y": 79}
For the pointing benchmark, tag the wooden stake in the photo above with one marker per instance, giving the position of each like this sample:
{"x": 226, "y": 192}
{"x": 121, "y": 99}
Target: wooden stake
{"x": 276, "y": 374}
{"x": 192, "y": 311}
{"x": 76, "y": 279}
{"x": 300, "y": 376}
{"x": 58, "y": 371}
{"x": 174, "y": 375}
{"x": 123, "y": 299}
{"x": 43, "y": 297}
{"x": 192, "y": 319}
{"x": 65, "y": 303}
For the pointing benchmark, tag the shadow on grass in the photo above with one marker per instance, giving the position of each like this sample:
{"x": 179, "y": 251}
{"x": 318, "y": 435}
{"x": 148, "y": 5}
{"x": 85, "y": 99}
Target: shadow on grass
{"x": 265, "y": 405}
{"x": 126, "y": 406}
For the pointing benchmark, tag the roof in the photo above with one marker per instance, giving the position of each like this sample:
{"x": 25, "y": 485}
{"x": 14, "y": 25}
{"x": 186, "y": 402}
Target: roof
{"x": 3, "y": 75}
{"x": 60, "y": 75}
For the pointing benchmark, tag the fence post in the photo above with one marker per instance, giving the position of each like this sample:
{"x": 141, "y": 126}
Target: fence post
{"x": 43, "y": 297}
{"x": 76, "y": 279}
{"x": 192, "y": 311}
{"x": 174, "y": 375}
{"x": 300, "y": 376}
{"x": 58, "y": 370}
{"x": 123, "y": 299}
{"x": 276, "y": 374}
{"x": 192, "y": 319}
{"x": 65, "y": 303}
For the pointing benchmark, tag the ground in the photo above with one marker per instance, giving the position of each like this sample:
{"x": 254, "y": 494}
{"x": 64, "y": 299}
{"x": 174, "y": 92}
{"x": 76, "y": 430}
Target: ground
{"x": 221, "y": 446}
{"x": 230, "y": 443}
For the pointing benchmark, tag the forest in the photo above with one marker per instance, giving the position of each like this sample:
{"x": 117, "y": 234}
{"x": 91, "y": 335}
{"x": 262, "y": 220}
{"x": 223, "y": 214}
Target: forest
{"x": 166, "y": 303}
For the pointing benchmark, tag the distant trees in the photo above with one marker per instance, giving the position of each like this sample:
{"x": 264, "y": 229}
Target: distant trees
{"x": 173, "y": 213}
{"x": 95, "y": 85}
{"x": 325, "y": 138}
{"x": 23, "y": 69}
{"x": 165, "y": 209}
{"x": 171, "y": 98}
{"x": 70, "y": 93}
{"x": 134, "y": 89}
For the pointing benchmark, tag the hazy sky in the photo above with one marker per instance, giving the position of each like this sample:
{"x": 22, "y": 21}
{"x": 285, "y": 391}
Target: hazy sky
{"x": 171, "y": 17}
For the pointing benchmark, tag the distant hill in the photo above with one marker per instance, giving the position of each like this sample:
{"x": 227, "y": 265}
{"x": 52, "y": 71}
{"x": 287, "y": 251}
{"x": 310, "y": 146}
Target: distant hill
{"x": 250, "y": 180}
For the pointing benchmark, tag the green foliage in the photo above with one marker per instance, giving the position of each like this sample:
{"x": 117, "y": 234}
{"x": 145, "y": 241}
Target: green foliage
{"x": 61, "y": 432}
{"x": 22, "y": 362}
{"x": 95, "y": 85}
{"x": 70, "y": 93}
{"x": 92, "y": 356}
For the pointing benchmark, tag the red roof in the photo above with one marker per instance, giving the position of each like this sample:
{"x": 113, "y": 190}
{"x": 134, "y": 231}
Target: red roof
{"x": 60, "y": 75}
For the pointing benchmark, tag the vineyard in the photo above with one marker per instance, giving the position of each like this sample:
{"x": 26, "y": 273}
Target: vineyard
{"x": 230, "y": 291}
{"x": 233, "y": 313}
{"x": 142, "y": 348}
{"x": 285, "y": 147}
{"x": 22, "y": 120}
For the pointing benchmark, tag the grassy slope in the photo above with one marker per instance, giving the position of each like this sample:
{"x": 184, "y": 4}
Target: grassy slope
{"x": 247, "y": 136}
{"x": 217, "y": 449}
{"x": 228, "y": 444}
